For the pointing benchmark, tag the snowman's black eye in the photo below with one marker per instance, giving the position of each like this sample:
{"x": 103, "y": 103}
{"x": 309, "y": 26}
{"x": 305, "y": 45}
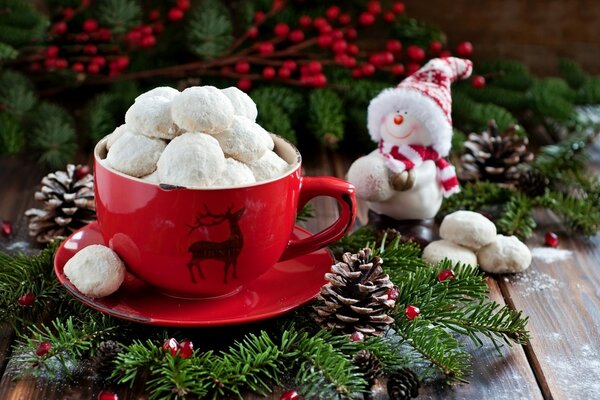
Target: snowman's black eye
{"x": 397, "y": 111}
{"x": 405, "y": 112}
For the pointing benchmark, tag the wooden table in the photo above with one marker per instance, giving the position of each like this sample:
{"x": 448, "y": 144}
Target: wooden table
{"x": 562, "y": 300}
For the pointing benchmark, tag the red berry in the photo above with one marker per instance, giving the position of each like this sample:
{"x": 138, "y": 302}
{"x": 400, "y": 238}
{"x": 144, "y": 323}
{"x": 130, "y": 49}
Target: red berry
{"x": 90, "y": 25}
{"x": 415, "y": 53}
{"x": 43, "y": 349}
{"x": 183, "y": 5}
{"x": 281, "y": 29}
{"x": 78, "y": 67}
{"x": 319, "y": 80}
{"x": 242, "y": 67}
{"x": 357, "y": 337}
{"x": 134, "y": 36}
{"x": 305, "y": 21}
{"x": 368, "y": 69}
{"x": 412, "y": 312}
{"x": 93, "y": 68}
{"x": 50, "y": 63}
{"x": 278, "y": 4}
{"x": 60, "y": 28}
{"x": 148, "y": 41}
{"x": 244, "y": 84}
{"x": 349, "y": 62}
{"x": 389, "y": 17}
{"x": 266, "y": 48}
{"x": 284, "y": 73}
{"x": 464, "y": 49}
{"x": 296, "y": 36}
{"x": 122, "y": 62}
{"x": 269, "y": 73}
{"x": 398, "y": 7}
{"x": 104, "y": 34}
{"x": 551, "y": 239}
{"x": 345, "y": 19}
{"x": 339, "y": 46}
{"x": 259, "y": 16}
{"x": 366, "y": 18}
{"x": 62, "y": 63}
{"x": 85, "y": 3}
{"x": 324, "y": 40}
{"x": 446, "y": 274}
{"x": 386, "y": 57}
{"x": 445, "y": 54}
{"x": 27, "y": 299}
{"x": 175, "y": 14}
{"x": 104, "y": 395}
{"x": 154, "y": 15}
{"x": 100, "y": 60}
{"x": 353, "y": 49}
{"x": 478, "y": 82}
{"x": 320, "y": 22}
{"x": 374, "y": 7}
{"x": 82, "y": 171}
{"x": 411, "y": 68}
{"x": 68, "y": 13}
{"x": 252, "y": 32}
{"x": 435, "y": 46}
{"x": 394, "y": 45}
{"x": 171, "y": 346}
{"x": 375, "y": 59}
{"x": 52, "y": 51}
{"x": 82, "y": 37}
{"x": 186, "y": 348}
{"x": 357, "y": 73}
{"x": 336, "y": 34}
{"x": 90, "y": 49}
{"x": 289, "y": 64}
{"x": 290, "y": 395}
{"x": 332, "y": 12}
{"x": 146, "y": 30}
{"x": 314, "y": 67}
{"x": 392, "y": 293}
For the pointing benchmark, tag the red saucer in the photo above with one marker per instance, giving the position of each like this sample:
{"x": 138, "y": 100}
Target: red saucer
{"x": 287, "y": 286}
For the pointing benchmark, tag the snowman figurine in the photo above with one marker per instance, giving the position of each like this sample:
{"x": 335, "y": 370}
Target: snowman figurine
{"x": 407, "y": 176}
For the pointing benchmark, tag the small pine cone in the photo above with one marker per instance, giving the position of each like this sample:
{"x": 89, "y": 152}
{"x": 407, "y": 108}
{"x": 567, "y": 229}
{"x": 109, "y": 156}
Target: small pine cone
{"x": 495, "y": 157}
{"x": 533, "y": 183}
{"x": 106, "y": 354}
{"x": 403, "y": 385}
{"x": 357, "y": 296}
{"x": 369, "y": 365}
{"x": 68, "y": 205}
{"x": 390, "y": 234}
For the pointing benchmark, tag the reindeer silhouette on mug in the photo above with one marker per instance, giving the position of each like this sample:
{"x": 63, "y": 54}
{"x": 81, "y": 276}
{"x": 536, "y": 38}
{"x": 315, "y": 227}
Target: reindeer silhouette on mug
{"x": 227, "y": 251}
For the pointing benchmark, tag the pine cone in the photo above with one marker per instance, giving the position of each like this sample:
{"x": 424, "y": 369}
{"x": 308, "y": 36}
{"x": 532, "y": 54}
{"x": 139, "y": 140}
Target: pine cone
{"x": 403, "y": 385}
{"x": 68, "y": 204}
{"x": 358, "y": 296}
{"x": 495, "y": 157}
{"x": 369, "y": 365}
{"x": 533, "y": 183}
{"x": 106, "y": 354}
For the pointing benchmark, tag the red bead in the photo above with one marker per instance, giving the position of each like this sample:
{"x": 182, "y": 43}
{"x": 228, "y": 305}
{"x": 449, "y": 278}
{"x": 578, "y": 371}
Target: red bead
{"x": 394, "y": 45}
{"x": 289, "y": 395}
{"x": 93, "y": 68}
{"x": 320, "y": 22}
{"x": 278, "y": 4}
{"x": 411, "y": 68}
{"x": 366, "y": 18}
{"x": 551, "y": 239}
{"x": 386, "y": 57}
{"x": 345, "y": 19}
{"x": 349, "y": 62}
{"x": 154, "y": 15}
{"x": 50, "y": 63}
{"x": 104, "y": 34}
{"x": 27, "y": 299}
{"x": 82, "y": 37}
{"x": 412, "y": 312}
{"x": 78, "y": 67}
{"x": 296, "y": 36}
{"x": 368, "y": 69}
{"x": 284, "y": 73}
{"x": 100, "y": 60}
{"x": 252, "y": 32}
{"x": 104, "y": 395}
{"x": 478, "y": 82}
{"x": 266, "y": 48}
{"x": 52, "y": 51}
{"x": 392, "y": 293}
{"x": 435, "y": 46}
{"x": 183, "y": 5}
{"x": 148, "y": 41}
{"x": 281, "y": 29}
{"x": 446, "y": 274}
{"x": 314, "y": 67}
{"x": 398, "y": 7}
{"x": 244, "y": 84}
{"x": 445, "y": 54}
{"x": 374, "y": 7}
{"x": 59, "y": 28}
{"x": 175, "y": 14}
{"x": 90, "y": 25}
{"x": 339, "y": 46}
{"x": 305, "y": 21}
{"x": 43, "y": 349}
{"x": 242, "y": 67}
{"x": 146, "y": 30}
{"x": 332, "y": 12}
{"x": 290, "y": 64}
{"x": 259, "y": 16}
{"x": 336, "y": 34}
{"x": 171, "y": 346}
{"x": 353, "y": 49}
{"x": 357, "y": 337}
{"x": 375, "y": 59}
{"x": 68, "y": 13}
{"x": 415, "y": 53}
{"x": 82, "y": 171}
{"x": 62, "y": 63}
{"x": 90, "y": 49}
{"x": 357, "y": 73}
{"x": 464, "y": 49}
{"x": 320, "y": 80}
{"x": 186, "y": 348}
{"x": 122, "y": 62}
{"x": 389, "y": 17}
{"x": 269, "y": 73}
{"x": 324, "y": 40}
{"x": 134, "y": 36}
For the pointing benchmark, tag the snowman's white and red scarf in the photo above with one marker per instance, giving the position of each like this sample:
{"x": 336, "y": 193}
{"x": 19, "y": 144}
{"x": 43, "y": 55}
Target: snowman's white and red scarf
{"x": 406, "y": 157}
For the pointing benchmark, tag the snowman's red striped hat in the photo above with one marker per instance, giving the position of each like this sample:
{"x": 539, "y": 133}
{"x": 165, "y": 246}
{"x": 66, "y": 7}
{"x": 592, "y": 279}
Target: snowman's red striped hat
{"x": 426, "y": 95}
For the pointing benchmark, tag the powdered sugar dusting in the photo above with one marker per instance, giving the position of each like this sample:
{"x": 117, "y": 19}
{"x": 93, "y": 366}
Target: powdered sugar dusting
{"x": 585, "y": 375}
{"x": 548, "y": 255}
{"x": 536, "y": 282}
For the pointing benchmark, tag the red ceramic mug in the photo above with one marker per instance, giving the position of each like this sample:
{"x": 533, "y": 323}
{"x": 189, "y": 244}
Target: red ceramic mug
{"x": 210, "y": 242}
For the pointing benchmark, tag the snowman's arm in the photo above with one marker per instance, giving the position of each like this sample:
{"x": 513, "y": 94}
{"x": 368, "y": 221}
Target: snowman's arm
{"x": 370, "y": 176}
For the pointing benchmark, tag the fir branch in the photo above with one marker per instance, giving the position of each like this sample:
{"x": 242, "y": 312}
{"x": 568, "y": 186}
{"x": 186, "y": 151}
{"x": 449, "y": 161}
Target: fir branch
{"x": 134, "y": 359}
{"x": 386, "y": 350}
{"x": 105, "y": 111}
{"x": 16, "y": 93}
{"x": 589, "y": 93}
{"x": 476, "y": 115}
{"x": 210, "y": 30}
{"x": 567, "y": 155}
{"x": 579, "y": 214}
{"x": 21, "y": 23}
{"x": 400, "y": 258}
{"x": 326, "y": 116}
{"x": 476, "y": 196}
{"x": 7, "y": 52}
{"x": 290, "y": 100}
{"x": 119, "y": 15}
{"x": 178, "y": 378}
{"x": 274, "y": 119}
{"x": 12, "y": 137}
{"x": 54, "y": 139}
{"x": 307, "y": 212}
{"x": 354, "y": 241}
{"x": 571, "y": 72}
{"x": 552, "y": 97}
{"x": 516, "y": 217}
{"x": 508, "y": 74}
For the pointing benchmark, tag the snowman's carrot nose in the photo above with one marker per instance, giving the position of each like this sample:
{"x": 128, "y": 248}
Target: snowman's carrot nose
{"x": 398, "y": 119}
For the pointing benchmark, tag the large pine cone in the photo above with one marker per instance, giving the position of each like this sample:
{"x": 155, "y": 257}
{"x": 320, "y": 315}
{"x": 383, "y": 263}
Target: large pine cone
{"x": 358, "y": 296}
{"x": 68, "y": 198}
{"x": 495, "y": 157}
{"x": 403, "y": 385}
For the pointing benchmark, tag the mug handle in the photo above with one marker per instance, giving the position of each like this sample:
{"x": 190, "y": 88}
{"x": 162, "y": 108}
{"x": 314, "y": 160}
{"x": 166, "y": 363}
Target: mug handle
{"x": 343, "y": 192}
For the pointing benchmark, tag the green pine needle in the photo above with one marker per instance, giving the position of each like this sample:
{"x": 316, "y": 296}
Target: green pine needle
{"x": 55, "y": 141}
{"x": 16, "y": 93}
{"x": 326, "y": 116}
{"x": 12, "y": 137}
{"x": 516, "y": 217}
{"x": 119, "y": 15}
{"x": 210, "y": 30}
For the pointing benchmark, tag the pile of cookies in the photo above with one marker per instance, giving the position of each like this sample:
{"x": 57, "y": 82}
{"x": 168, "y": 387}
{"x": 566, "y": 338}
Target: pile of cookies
{"x": 470, "y": 238}
{"x": 202, "y": 137}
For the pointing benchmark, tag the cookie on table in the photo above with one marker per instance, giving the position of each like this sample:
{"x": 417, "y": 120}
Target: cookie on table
{"x": 507, "y": 254}
{"x": 468, "y": 228}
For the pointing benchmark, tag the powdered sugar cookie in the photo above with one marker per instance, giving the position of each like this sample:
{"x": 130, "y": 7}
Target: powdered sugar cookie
{"x": 152, "y": 178}
{"x": 235, "y": 174}
{"x": 191, "y": 160}
{"x": 242, "y": 103}
{"x": 95, "y": 271}
{"x": 202, "y": 109}
{"x": 507, "y": 254}
{"x": 135, "y": 155}
{"x": 151, "y": 116}
{"x": 161, "y": 91}
{"x": 269, "y": 166}
{"x": 468, "y": 228}
{"x": 440, "y": 249}
{"x": 242, "y": 141}
{"x": 117, "y": 133}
